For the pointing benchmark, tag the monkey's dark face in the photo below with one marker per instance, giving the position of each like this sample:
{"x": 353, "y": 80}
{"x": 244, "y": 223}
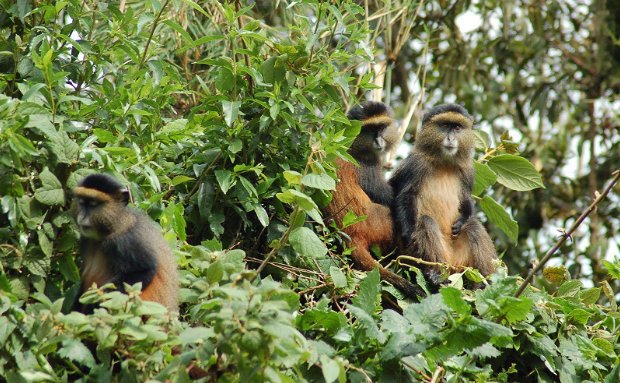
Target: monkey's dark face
{"x": 370, "y": 144}
{"x": 86, "y": 209}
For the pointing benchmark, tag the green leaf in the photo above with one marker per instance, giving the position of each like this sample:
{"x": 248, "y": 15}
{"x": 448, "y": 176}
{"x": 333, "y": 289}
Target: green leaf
{"x": 590, "y": 296}
{"x": 44, "y": 242}
{"x": 580, "y": 316}
{"x": 231, "y": 111}
{"x": 319, "y": 181}
{"x": 485, "y": 177}
{"x": 195, "y": 335}
{"x": 215, "y": 272}
{"x": 65, "y": 149}
{"x": 330, "y": 368}
{"x": 453, "y": 298}
{"x": 75, "y": 350}
{"x": 292, "y": 177}
{"x": 225, "y": 179}
{"x": 181, "y": 179}
{"x": 515, "y": 172}
{"x": 481, "y": 140}
{"x": 306, "y": 243}
{"x": 51, "y": 193}
{"x": 516, "y": 309}
{"x": 569, "y": 288}
{"x": 369, "y": 290}
{"x": 338, "y": 277}
{"x": 262, "y": 215}
{"x": 500, "y": 217}
{"x": 293, "y": 196}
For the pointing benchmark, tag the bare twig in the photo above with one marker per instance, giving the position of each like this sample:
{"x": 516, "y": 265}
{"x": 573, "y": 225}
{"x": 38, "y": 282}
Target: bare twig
{"x": 437, "y": 375}
{"x": 568, "y": 234}
{"x": 421, "y": 261}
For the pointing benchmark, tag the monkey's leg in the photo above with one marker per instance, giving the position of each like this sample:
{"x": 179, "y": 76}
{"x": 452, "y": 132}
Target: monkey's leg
{"x": 377, "y": 230}
{"x": 428, "y": 243}
{"x": 481, "y": 249}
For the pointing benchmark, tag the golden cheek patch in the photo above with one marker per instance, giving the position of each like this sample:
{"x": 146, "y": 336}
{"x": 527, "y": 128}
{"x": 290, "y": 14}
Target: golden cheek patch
{"x": 92, "y": 193}
{"x": 453, "y": 118}
{"x": 382, "y": 119}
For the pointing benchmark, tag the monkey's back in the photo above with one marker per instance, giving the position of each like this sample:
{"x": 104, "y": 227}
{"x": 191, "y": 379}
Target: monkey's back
{"x": 164, "y": 287}
{"x": 349, "y": 196}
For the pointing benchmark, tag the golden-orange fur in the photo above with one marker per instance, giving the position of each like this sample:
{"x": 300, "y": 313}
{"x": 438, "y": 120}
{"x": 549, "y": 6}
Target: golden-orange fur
{"x": 376, "y": 229}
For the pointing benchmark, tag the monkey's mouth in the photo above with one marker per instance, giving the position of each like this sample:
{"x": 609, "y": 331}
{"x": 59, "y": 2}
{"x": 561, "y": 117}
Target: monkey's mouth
{"x": 451, "y": 149}
{"x": 88, "y": 231}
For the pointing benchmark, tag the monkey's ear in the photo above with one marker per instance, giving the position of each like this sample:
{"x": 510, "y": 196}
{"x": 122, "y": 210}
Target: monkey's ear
{"x": 125, "y": 195}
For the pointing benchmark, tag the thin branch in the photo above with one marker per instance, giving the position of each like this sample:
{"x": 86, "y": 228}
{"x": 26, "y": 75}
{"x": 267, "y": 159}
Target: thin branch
{"x": 566, "y": 235}
{"x": 155, "y": 22}
{"x": 437, "y": 375}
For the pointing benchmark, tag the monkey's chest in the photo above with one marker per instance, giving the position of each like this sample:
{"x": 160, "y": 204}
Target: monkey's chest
{"x": 439, "y": 198}
{"x": 95, "y": 270}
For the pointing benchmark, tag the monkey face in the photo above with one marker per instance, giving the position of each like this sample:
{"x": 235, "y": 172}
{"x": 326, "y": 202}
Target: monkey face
{"x": 84, "y": 211}
{"x": 450, "y": 143}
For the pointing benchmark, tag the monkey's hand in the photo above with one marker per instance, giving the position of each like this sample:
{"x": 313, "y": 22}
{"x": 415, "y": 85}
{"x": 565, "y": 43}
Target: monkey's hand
{"x": 456, "y": 228}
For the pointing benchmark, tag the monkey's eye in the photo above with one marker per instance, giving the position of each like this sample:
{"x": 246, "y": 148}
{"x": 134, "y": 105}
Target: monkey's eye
{"x": 89, "y": 202}
{"x": 457, "y": 128}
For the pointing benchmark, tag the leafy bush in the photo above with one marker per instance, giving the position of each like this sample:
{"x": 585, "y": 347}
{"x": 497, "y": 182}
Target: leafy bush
{"x": 225, "y": 125}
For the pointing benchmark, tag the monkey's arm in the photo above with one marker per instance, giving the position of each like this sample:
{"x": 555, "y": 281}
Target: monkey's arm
{"x": 466, "y": 207}
{"x": 405, "y": 212}
{"x": 466, "y": 210}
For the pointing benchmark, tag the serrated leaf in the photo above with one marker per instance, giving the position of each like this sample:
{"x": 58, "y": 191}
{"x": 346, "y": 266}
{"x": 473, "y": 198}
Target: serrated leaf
{"x": 485, "y": 351}
{"x": 65, "y": 149}
{"x": 338, "y": 277}
{"x": 580, "y": 316}
{"x": 516, "y": 309}
{"x": 51, "y": 193}
{"x": 500, "y": 217}
{"x": 306, "y": 243}
{"x": 569, "y": 288}
{"x": 515, "y": 172}
{"x": 319, "y": 181}
{"x": 76, "y": 351}
{"x": 481, "y": 140}
{"x": 485, "y": 177}
{"x": 453, "y": 298}
{"x": 370, "y": 287}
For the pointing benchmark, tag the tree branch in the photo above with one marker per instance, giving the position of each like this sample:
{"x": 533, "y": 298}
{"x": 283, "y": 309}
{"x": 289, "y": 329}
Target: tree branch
{"x": 566, "y": 235}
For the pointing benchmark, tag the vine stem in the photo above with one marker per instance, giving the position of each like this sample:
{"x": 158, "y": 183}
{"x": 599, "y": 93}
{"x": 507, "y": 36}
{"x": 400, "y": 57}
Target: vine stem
{"x": 155, "y": 22}
{"x": 567, "y": 234}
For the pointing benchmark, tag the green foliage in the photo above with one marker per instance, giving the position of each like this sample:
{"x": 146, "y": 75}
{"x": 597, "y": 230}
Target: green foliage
{"x": 225, "y": 121}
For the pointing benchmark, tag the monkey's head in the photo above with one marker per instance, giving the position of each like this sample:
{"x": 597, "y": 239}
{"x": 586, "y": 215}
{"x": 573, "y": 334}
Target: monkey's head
{"x": 378, "y": 133}
{"x": 447, "y": 133}
{"x": 99, "y": 205}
